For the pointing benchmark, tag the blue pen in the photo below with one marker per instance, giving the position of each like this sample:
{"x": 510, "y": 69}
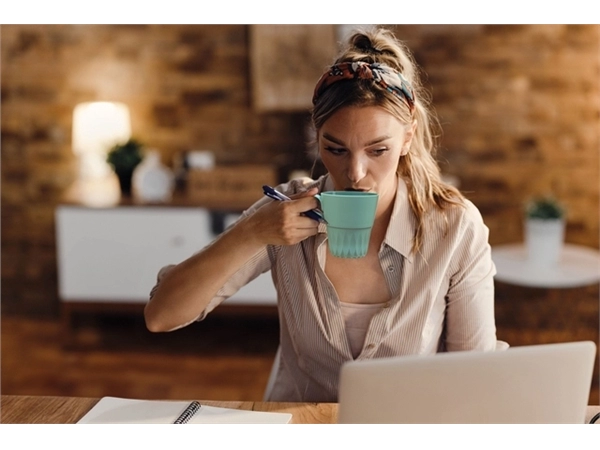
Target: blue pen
{"x": 276, "y": 195}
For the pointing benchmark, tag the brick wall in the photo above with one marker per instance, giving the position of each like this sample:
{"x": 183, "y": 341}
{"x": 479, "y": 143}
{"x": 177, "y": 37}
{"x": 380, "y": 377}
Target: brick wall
{"x": 520, "y": 110}
{"x": 519, "y": 106}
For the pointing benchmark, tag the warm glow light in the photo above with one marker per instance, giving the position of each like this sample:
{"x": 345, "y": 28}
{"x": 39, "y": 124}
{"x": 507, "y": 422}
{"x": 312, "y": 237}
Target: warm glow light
{"x": 97, "y": 126}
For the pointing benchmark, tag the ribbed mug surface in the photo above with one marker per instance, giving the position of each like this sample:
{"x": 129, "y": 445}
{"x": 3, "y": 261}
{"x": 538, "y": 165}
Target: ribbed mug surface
{"x": 347, "y": 242}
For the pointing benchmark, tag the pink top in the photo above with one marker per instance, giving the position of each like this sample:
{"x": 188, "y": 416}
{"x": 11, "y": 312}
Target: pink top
{"x": 357, "y": 318}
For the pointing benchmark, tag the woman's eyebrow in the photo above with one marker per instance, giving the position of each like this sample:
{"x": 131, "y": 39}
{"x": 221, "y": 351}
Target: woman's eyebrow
{"x": 378, "y": 140}
{"x": 339, "y": 142}
{"x": 332, "y": 139}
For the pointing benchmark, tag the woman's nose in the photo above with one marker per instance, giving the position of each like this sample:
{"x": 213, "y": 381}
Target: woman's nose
{"x": 356, "y": 170}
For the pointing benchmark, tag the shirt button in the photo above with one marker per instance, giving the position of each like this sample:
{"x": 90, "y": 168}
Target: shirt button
{"x": 391, "y": 269}
{"x": 370, "y": 346}
{"x": 386, "y": 305}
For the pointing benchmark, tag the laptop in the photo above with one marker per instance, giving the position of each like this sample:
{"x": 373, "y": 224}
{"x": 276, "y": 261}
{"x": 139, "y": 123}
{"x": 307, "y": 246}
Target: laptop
{"x": 547, "y": 383}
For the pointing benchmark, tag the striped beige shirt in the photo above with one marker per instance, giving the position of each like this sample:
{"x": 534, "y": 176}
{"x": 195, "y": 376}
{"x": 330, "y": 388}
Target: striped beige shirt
{"x": 442, "y": 299}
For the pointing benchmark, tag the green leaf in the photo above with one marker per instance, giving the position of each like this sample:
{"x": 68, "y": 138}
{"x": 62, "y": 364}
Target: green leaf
{"x": 544, "y": 208}
{"x": 125, "y": 157}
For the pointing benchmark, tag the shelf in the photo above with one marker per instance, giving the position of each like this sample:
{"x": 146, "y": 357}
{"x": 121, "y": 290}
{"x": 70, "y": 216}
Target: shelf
{"x": 105, "y": 195}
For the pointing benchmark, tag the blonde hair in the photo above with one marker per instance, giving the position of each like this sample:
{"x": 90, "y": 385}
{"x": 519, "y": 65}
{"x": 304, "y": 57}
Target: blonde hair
{"x": 419, "y": 169}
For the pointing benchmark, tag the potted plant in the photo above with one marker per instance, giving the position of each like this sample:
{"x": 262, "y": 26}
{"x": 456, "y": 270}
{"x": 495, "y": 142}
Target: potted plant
{"x": 544, "y": 230}
{"x": 124, "y": 158}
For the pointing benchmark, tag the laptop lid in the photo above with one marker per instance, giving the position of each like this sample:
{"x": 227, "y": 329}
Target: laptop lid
{"x": 547, "y": 383}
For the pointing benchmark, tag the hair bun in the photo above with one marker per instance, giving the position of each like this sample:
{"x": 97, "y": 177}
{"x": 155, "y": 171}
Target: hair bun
{"x": 363, "y": 43}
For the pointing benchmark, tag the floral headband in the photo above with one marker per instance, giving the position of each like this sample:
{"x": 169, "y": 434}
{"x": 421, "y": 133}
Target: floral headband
{"x": 381, "y": 74}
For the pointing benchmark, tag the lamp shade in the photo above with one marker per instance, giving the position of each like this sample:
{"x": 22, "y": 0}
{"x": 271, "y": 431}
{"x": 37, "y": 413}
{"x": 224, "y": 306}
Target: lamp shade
{"x": 97, "y": 126}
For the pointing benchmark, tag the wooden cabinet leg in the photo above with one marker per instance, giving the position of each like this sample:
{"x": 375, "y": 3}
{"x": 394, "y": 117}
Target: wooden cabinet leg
{"x": 67, "y": 332}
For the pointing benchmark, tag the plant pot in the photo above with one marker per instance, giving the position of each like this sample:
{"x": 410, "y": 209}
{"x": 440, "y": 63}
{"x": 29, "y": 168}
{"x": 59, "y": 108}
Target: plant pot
{"x": 544, "y": 240}
{"x": 125, "y": 181}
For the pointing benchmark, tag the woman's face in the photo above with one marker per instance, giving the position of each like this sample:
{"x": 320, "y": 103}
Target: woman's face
{"x": 361, "y": 147}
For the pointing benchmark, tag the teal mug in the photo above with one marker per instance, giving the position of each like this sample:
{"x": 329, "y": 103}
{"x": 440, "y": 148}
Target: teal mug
{"x": 350, "y": 216}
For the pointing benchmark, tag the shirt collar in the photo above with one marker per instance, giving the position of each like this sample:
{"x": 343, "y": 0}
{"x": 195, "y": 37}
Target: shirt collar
{"x": 402, "y": 226}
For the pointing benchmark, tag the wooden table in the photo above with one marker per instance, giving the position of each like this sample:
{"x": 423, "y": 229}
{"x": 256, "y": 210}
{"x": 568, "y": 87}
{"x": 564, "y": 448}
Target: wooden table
{"x": 19, "y": 409}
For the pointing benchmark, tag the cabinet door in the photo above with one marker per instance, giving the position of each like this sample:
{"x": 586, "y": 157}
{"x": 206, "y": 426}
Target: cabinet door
{"x": 113, "y": 255}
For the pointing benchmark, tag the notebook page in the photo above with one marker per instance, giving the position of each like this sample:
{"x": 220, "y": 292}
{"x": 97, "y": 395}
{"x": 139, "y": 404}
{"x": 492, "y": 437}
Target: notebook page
{"x": 114, "y": 410}
{"x": 213, "y": 414}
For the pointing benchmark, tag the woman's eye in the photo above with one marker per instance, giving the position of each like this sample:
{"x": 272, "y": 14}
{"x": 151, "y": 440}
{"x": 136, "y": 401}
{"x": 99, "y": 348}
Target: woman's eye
{"x": 379, "y": 151}
{"x": 335, "y": 151}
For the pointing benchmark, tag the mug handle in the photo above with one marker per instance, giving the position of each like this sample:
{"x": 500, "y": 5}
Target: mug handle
{"x": 318, "y": 214}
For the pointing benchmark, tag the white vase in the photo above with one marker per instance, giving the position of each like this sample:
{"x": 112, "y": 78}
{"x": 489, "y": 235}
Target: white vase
{"x": 152, "y": 181}
{"x": 544, "y": 240}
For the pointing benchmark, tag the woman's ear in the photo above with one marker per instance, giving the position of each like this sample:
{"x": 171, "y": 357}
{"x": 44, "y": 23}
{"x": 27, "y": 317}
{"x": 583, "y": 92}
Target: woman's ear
{"x": 408, "y": 137}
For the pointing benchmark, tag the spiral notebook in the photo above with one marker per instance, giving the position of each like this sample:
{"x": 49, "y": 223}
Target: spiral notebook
{"x": 115, "y": 410}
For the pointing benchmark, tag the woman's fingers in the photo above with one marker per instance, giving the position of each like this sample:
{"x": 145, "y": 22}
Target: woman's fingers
{"x": 310, "y": 193}
{"x": 305, "y": 201}
{"x": 282, "y": 223}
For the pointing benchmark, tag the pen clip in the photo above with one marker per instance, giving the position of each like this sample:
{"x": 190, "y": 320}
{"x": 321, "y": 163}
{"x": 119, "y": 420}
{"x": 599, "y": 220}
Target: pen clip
{"x": 270, "y": 192}
{"x": 273, "y": 196}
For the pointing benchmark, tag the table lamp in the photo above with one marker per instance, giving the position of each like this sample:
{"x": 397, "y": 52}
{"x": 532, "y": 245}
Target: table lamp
{"x": 97, "y": 126}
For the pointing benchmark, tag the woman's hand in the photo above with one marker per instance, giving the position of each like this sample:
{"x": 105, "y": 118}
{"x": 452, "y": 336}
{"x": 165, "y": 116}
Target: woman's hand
{"x": 282, "y": 223}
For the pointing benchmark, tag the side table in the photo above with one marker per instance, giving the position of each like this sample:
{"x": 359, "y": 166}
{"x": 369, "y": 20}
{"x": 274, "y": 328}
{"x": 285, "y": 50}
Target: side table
{"x": 578, "y": 266}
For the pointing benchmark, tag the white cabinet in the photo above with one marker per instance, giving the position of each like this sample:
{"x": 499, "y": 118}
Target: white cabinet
{"x": 112, "y": 255}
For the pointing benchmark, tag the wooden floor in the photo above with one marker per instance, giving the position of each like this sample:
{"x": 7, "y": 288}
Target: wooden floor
{"x": 220, "y": 359}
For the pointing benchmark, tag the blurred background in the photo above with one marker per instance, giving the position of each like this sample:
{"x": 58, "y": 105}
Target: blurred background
{"x": 520, "y": 111}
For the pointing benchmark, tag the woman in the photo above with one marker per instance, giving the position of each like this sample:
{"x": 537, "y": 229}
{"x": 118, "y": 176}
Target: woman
{"x": 425, "y": 284}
